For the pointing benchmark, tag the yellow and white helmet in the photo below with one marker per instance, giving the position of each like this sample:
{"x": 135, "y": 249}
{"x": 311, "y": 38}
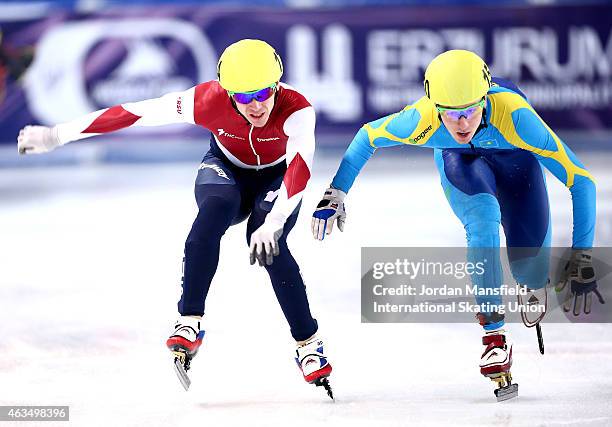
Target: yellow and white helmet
{"x": 457, "y": 77}
{"x": 249, "y": 65}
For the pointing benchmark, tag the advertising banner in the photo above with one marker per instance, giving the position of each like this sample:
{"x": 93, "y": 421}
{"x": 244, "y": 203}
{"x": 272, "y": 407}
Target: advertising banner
{"x": 353, "y": 64}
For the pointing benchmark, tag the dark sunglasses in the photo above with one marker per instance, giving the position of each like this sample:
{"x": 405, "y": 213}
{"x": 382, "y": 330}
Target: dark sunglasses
{"x": 457, "y": 113}
{"x": 259, "y": 95}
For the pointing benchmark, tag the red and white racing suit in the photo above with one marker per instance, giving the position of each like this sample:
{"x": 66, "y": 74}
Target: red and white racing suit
{"x": 288, "y": 136}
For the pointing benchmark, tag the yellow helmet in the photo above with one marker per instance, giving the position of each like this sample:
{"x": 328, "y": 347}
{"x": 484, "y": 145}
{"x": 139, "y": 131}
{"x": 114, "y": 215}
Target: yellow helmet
{"x": 457, "y": 77}
{"x": 249, "y": 65}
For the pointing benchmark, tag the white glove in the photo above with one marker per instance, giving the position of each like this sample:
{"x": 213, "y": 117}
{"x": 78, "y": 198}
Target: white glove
{"x": 264, "y": 242}
{"x": 580, "y": 275}
{"x": 329, "y": 209}
{"x": 37, "y": 139}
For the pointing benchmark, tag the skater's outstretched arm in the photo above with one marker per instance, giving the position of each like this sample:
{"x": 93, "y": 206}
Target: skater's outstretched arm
{"x": 176, "y": 107}
{"x": 414, "y": 125}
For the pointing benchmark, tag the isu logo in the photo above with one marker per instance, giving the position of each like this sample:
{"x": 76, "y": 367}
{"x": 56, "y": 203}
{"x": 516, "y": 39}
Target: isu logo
{"x": 179, "y": 105}
{"x": 222, "y": 132}
{"x": 220, "y": 172}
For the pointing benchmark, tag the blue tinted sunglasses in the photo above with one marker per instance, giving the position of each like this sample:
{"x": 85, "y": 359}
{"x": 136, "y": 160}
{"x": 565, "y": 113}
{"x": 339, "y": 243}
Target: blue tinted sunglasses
{"x": 457, "y": 113}
{"x": 259, "y": 95}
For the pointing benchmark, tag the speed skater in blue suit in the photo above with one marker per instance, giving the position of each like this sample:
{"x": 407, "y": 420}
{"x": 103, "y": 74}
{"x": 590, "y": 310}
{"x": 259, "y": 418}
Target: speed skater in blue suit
{"x": 489, "y": 148}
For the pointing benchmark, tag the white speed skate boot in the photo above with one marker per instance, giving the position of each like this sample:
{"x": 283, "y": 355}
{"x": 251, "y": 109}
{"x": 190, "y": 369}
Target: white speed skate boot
{"x": 496, "y": 361}
{"x": 184, "y": 344}
{"x": 311, "y": 360}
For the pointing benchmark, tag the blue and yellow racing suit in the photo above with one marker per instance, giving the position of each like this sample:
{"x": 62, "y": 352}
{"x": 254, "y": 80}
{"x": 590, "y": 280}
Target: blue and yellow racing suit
{"x": 496, "y": 178}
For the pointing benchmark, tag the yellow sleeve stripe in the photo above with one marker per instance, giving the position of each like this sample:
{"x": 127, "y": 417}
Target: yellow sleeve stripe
{"x": 381, "y": 131}
{"x": 503, "y": 104}
{"x": 426, "y": 127}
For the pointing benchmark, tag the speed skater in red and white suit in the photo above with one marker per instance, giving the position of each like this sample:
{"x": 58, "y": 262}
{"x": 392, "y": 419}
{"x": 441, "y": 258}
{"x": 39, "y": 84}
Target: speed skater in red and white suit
{"x": 258, "y": 166}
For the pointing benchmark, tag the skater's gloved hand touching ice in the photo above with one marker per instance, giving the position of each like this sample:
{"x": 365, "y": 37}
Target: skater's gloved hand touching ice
{"x": 37, "y": 139}
{"x": 264, "y": 242}
{"x": 580, "y": 275}
{"x": 329, "y": 210}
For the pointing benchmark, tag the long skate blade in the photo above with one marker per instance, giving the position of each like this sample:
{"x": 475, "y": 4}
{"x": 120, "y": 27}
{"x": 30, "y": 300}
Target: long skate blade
{"x": 324, "y": 382}
{"x": 540, "y": 338}
{"x": 507, "y": 392}
{"x": 181, "y": 374}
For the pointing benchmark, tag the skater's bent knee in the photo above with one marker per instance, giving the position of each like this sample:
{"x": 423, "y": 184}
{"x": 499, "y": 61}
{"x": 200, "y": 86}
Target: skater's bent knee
{"x": 483, "y": 233}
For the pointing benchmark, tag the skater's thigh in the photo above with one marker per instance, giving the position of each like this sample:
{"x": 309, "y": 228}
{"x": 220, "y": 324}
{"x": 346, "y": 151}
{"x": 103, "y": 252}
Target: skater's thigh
{"x": 525, "y": 211}
{"x": 523, "y": 199}
{"x": 218, "y": 191}
{"x": 469, "y": 186}
{"x": 214, "y": 177}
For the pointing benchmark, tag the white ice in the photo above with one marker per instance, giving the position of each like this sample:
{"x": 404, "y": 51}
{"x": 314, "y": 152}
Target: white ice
{"x": 90, "y": 266}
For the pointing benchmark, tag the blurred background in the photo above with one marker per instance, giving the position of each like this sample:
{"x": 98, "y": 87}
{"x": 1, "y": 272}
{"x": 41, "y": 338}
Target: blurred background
{"x": 356, "y": 60}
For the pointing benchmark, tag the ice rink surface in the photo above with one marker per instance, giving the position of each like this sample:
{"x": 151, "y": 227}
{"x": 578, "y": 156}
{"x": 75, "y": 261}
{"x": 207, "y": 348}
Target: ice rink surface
{"x": 90, "y": 266}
